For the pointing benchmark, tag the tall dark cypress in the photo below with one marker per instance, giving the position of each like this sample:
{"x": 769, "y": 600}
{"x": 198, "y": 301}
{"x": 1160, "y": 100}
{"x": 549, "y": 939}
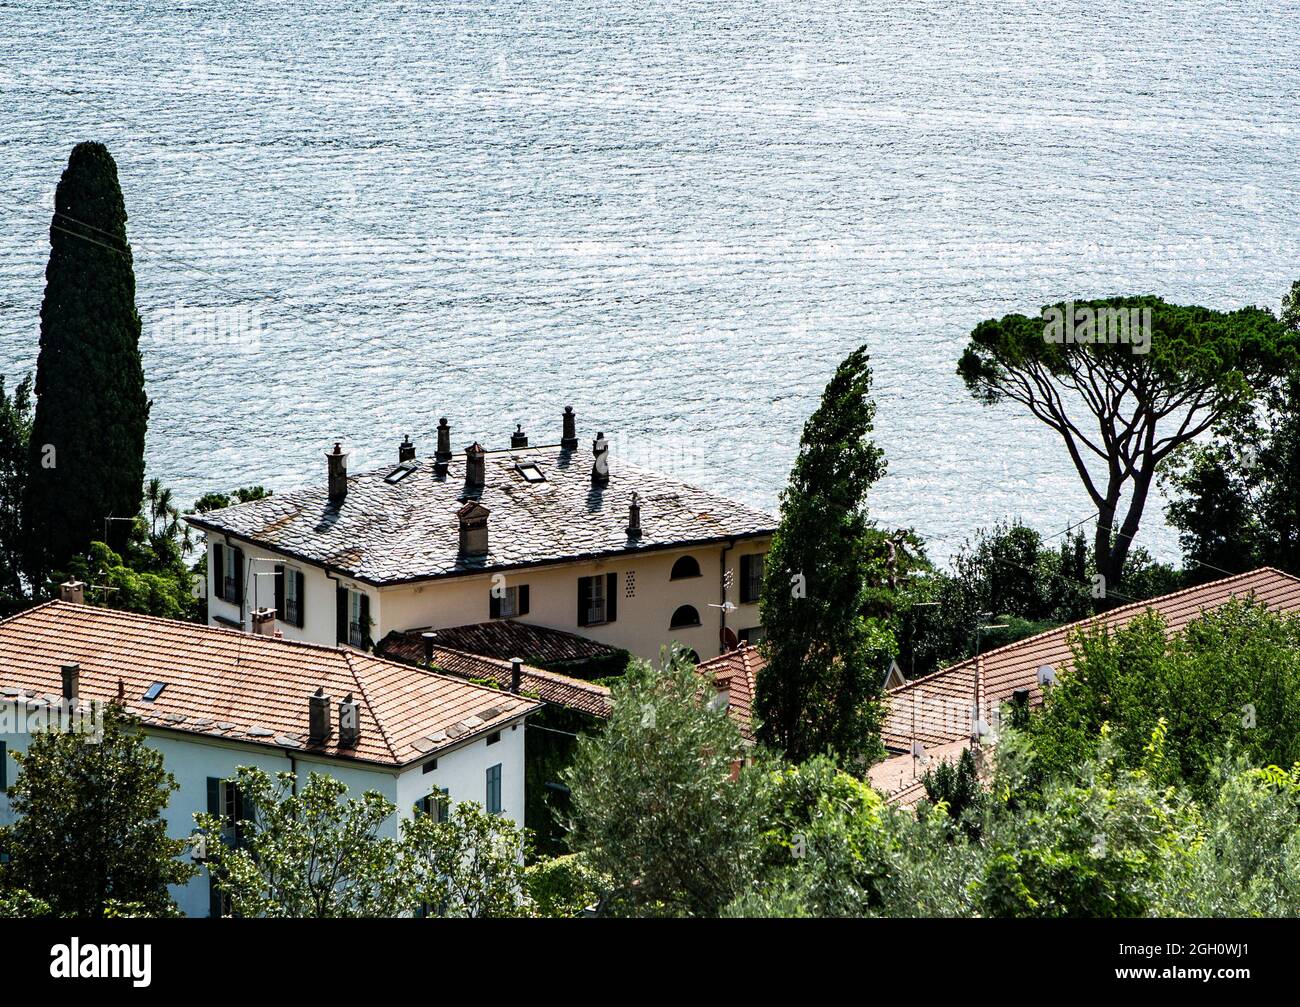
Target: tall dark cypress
{"x": 86, "y": 460}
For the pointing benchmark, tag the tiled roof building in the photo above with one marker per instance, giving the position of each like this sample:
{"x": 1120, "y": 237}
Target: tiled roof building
{"x": 224, "y": 684}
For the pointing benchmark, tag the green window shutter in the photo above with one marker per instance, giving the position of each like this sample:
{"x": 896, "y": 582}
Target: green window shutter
{"x": 214, "y": 796}
{"x": 611, "y": 597}
{"x": 279, "y": 592}
{"x": 365, "y": 622}
{"x": 443, "y": 804}
{"x": 341, "y": 597}
{"x": 494, "y": 605}
{"x": 219, "y": 571}
{"x": 4, "y": 766}
{"x": 239, "y": 577}
{"x": 300, "y": 581}
{"x": 523, "y": 599}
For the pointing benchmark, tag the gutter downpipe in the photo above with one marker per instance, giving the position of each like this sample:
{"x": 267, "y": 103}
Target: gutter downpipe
{"x": 722, "y": 595}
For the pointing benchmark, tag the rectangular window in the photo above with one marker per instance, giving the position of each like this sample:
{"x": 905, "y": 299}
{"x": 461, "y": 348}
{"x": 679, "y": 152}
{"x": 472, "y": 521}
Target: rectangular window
{"x": 597, "y": 599}
{"x": 352, "y": 618}
{"x": 493, "y": 803}
{"x": 751, "y": 576}
{"x": 292, "y": 597}
{"x": 508, "y": 602}
{"x": 437, "y": 804}
{"x": 494, "y": 737}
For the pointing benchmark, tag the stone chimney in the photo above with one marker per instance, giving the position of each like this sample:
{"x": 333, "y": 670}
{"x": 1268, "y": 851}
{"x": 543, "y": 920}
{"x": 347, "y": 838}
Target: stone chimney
{"x": 318, "y": 719}
{"x": 443, "y": 455}
{"x": 473, "y": 518}
{"x": 516, "y": 673}
{"x": 519, "y": 439}
{"x": 73, "y": 591}
{"x": 338, "y": 472}
{"x": 406, "y": 450}
{"x": 475, "y": 468}
{"x": 634, "y": 518}
{"x": 349, "y": 722}
{"x": 264, "y": 622}
{"x": 71, "y": 674}
{"x": 600, "y": 467}
{"x": 569, "y": 441}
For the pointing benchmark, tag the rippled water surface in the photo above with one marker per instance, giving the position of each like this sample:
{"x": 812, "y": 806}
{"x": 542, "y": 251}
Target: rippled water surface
{"x": 677, "y": 217}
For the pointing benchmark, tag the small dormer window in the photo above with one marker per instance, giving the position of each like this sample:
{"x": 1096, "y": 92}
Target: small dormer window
{"x": 530, "y": 472}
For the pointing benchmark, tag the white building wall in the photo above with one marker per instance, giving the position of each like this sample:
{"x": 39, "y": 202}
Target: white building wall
{"x": 463, "y": 774}
{"x": 647, "y": 599}
{"x": 193, "y": 759}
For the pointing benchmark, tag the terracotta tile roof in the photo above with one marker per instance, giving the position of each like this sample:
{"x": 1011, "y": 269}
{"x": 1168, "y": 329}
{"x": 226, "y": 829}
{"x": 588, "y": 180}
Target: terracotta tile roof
{"x": 248, "y": 688}
{"x": 548, "y": 686}
{"x": 386, "y": 532}
{"x": 900, "y": 778}
{"x": 738, "y": 671}
{"x": 936, "y": 709}
{"x": 500, "y": 638}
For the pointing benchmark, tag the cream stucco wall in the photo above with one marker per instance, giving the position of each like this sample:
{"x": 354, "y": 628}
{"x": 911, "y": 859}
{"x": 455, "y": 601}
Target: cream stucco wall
{"x": 647, "y": 598}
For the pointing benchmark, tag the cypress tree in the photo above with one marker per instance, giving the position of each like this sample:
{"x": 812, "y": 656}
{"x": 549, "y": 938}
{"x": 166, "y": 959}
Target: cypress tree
{"x": 826, "y": 657}
{"x": 86, "y": 459}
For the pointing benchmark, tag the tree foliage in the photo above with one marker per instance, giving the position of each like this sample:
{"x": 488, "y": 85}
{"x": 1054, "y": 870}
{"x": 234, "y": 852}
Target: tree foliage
{"x": 1229, "y": 682}
{"x": 89, "y": 838}
{"x": 86, "y": 453}
{"x": 660, "y": 802}
{"x": 15, "y": 434}
{"x": 1121, "y": 413}
{"x": 311, "y": 851}
{"x": 826, "y": 659}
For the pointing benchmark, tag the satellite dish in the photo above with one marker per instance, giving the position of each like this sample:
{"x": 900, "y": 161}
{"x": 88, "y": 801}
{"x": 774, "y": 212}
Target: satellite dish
{"x": 1046, "y": 675}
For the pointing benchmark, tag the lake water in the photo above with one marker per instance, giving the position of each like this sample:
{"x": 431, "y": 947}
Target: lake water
{"x": 350, "y": 218}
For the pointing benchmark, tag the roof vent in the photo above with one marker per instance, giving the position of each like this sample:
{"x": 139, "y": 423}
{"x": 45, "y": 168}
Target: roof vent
{"x": 600, "y": 467}
{"x": 349, "y": 722}
{"x": 428, "y": 638}
{"x": 516, "y": 673}
{"x": 338, "y": 472}
{"x": 569, "y": 442}
{"x": 473, "y": 518}
{"x": 475, "y": 467}
{"x": 634, "y": 518}
{"x": 318, "y": 720}
{"x": 519, "y": 439}
{"x": 406, "y": 450}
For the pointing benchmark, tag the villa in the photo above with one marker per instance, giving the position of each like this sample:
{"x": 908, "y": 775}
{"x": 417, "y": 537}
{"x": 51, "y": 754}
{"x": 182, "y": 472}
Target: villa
{"x": 538, "y": 534}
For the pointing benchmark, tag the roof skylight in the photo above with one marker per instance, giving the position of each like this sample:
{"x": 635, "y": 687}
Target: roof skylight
{"x": 400, "y": 473}
{"x": 154, "y": 691}
{"x": 531, "y": 472}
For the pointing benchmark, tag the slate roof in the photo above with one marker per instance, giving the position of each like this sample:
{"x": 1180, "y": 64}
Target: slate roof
{"x": 503, "y": 639}
{"x": 385, "y": 532}
{"x": 936, "y": 708}
{"x": 737, "y": 670}
{"x": 227, "y": 684}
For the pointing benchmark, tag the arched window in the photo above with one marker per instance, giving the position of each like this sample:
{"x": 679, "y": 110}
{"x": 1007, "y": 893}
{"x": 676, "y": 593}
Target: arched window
{"x": 686, "y": 615}
{"x": 686, "y": 566}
